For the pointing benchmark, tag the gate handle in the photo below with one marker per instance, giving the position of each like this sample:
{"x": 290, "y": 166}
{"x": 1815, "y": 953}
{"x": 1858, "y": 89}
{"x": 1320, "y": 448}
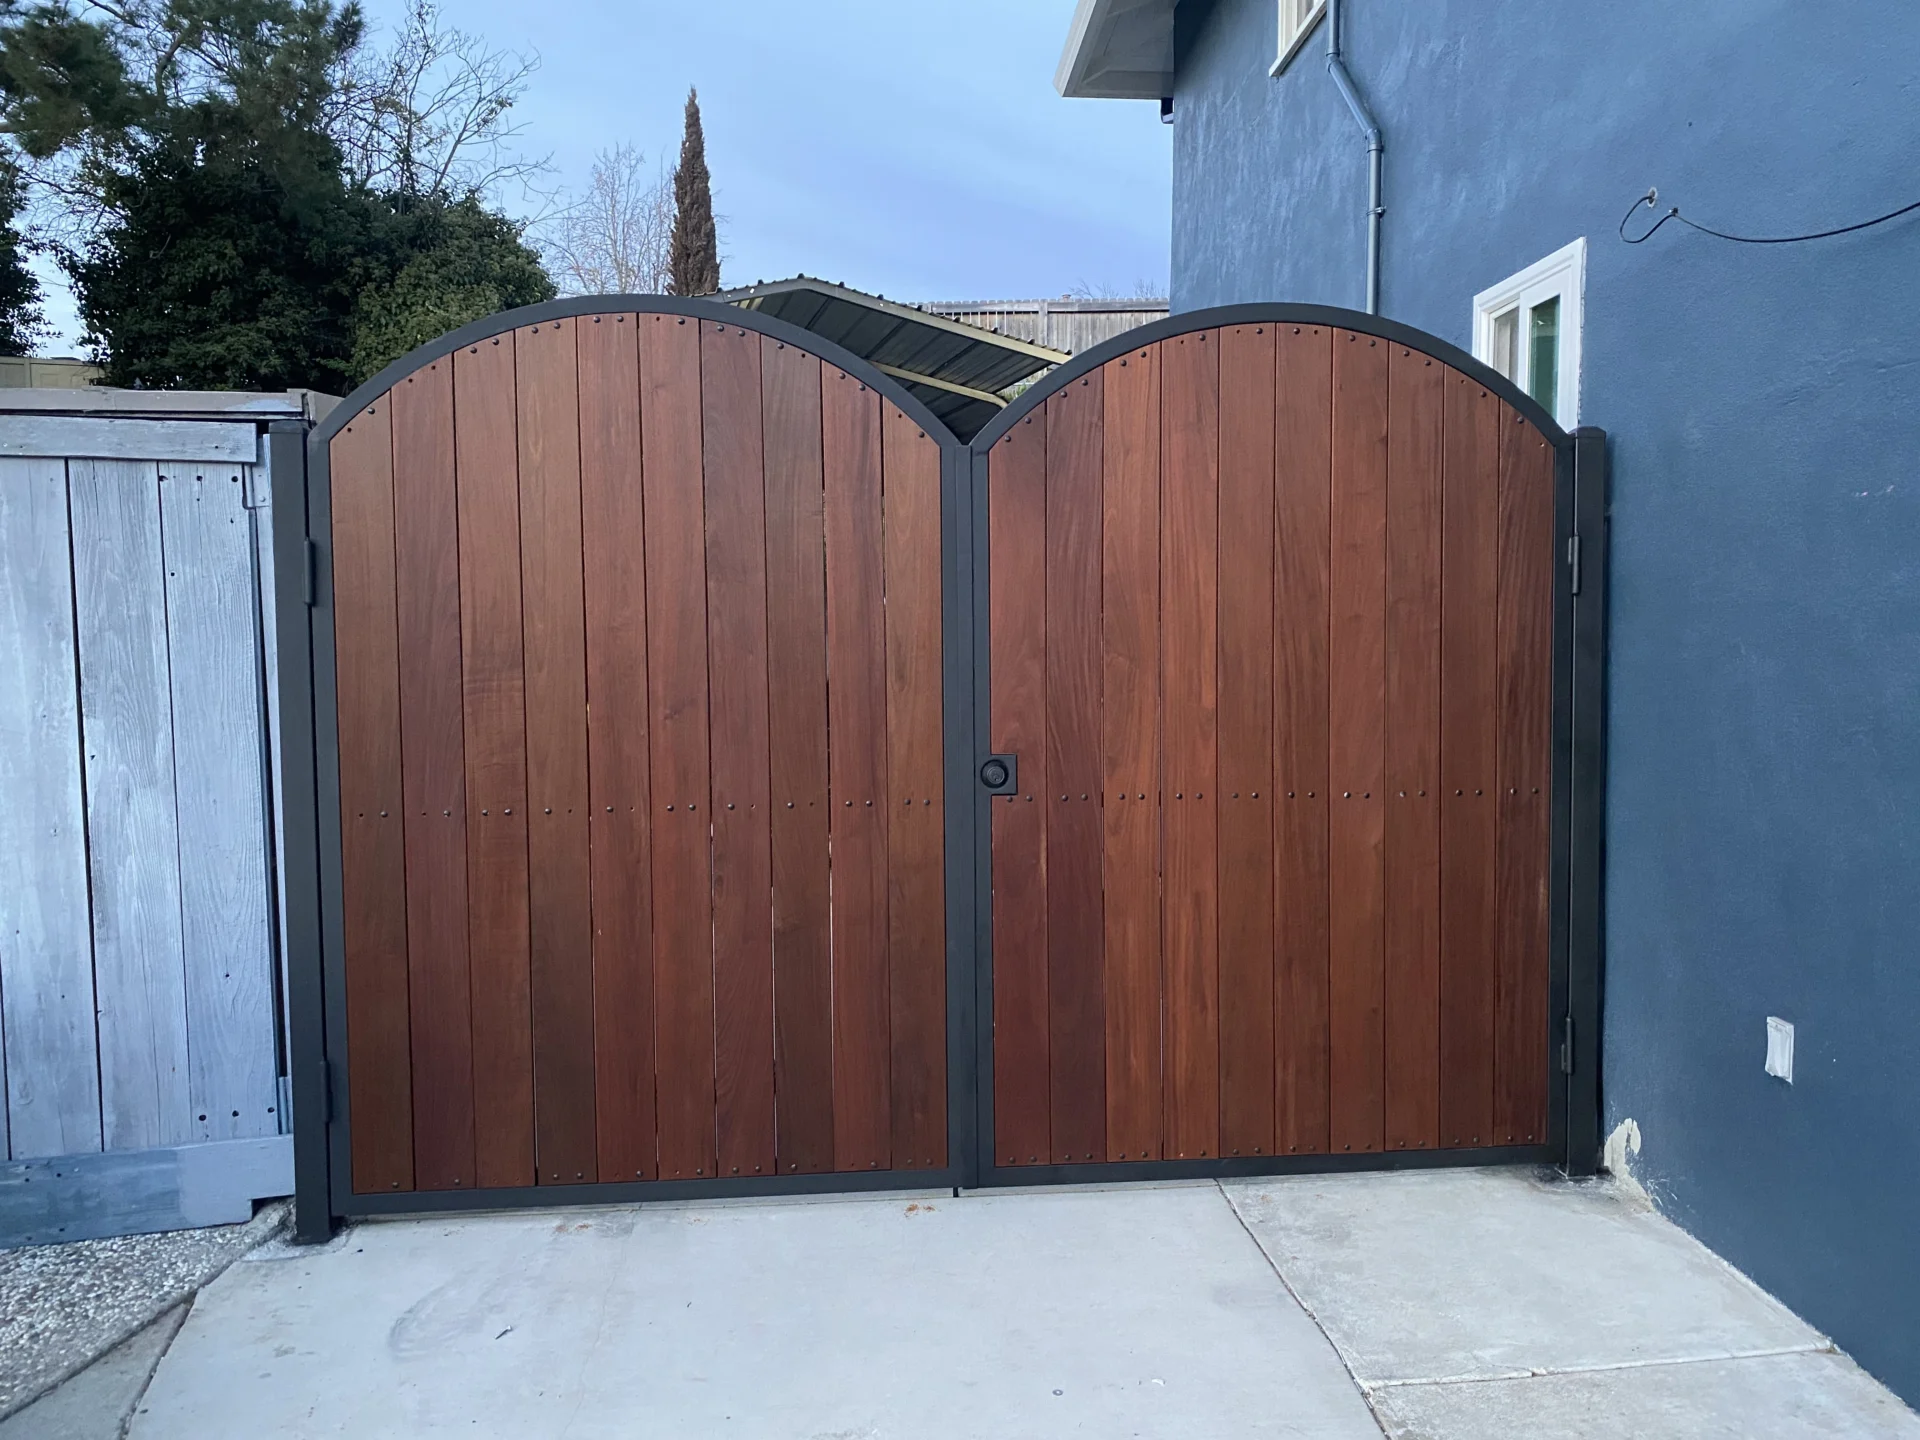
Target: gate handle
{"x": 1000, "y": 774}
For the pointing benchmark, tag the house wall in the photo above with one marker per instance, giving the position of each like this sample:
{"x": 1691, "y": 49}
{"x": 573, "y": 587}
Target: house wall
{"x": 1764, "y": 793}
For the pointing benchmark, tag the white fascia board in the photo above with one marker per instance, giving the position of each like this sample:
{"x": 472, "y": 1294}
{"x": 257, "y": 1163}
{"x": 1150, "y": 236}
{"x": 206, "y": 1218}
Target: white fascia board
{"x": 1118, "y": 50}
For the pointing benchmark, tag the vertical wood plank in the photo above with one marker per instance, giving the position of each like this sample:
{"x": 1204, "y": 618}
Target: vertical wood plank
{"x": 433, "y": 778}
{"x": 1357, "y": 693}
{"x": 1075, "y": 1003}
{"x": 1130, "y": 722}
{"x": 797, "y": 726}
{"x": 131, "y": 840}
{"x": 52, "y": 1074}
{"x": 1524, "y": 631}
{"x": 1017, "y": 607}
{"x": 1469, "y": 580}
{"x": 737, "y": 669}
{"x": 916, "y": 812}
{"x": 1302, "y": 536}
{"x": 1247, "y": 955}
{"x": 1189, "y": 575}
{"x": 220, "y": 802}
{"x": 1417, "y": 386}
{"x": 857, "y": 760}
{"x": 677, "y": 716}
{"x": 493, "y": 689}
{"x": 559, "y": 887}
{"x": 613, "y": 534}
{"x": 372, "y": 802}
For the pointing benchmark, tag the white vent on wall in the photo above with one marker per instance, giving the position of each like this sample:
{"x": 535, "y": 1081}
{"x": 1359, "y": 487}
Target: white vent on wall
{"x": 1780, "y": 1048}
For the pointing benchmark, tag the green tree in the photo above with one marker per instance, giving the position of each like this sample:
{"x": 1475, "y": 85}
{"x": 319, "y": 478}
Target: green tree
{"x": 694, "y": 251}
{"x": 21, "y": 320}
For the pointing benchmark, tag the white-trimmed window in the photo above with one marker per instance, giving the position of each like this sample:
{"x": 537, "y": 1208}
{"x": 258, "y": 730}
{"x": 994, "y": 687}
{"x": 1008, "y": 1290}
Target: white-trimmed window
{"x": 1297, "y": 19}
{"x": 1528, "y": 328}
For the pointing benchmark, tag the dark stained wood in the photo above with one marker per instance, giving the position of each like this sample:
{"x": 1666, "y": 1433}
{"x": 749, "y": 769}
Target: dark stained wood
{"x": 1357, "y": 695}
{"x": 373, "y": 853}
{"x": 558, "y": 873}
{"x": 916, "y": 851}
{"x": 1302, "y": 500}
{"x": 1017, "y": 549}
{"x": 737, "y": 724}
{"x": 797, "y": 736}
{"x": 1130, "y": 719}
{"x": 857, "y": 773}
{"x": 1075, "y": 1005}
{"x": 1416, "y": 388}
{"x": 677, "y": 717}
{"x": 613, "y": 535}
{"x": 433, "y": 777}
{"x": 1468, "y": 760}
{"x": 494, "y": 694}
{"x": 1189, "y": 561}
{"x": 1524, "y": 634}
{"x": 1246, "y": 740}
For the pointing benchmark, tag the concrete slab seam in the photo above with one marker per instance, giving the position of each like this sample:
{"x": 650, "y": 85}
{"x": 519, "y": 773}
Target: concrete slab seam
{"x": 1542, "y": 1372}
{"x": 1346, "y": 1361}
{"x": 179, "y": 1314}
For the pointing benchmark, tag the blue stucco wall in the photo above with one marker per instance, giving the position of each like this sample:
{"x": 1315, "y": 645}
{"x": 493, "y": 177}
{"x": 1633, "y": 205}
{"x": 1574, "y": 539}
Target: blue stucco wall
{"x": 1764, "y": 407}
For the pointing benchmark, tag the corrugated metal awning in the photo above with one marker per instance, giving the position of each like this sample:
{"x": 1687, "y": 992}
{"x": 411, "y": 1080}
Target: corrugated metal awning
{"x": 959, "y": 371}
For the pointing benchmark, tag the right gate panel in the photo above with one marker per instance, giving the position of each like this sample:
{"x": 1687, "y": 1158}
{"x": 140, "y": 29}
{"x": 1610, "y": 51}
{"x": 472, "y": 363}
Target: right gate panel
{"x": 1272, "y": 621}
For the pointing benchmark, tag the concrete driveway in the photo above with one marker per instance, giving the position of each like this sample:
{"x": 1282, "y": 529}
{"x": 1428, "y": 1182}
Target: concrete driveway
{"x": 1442, "y": 1304}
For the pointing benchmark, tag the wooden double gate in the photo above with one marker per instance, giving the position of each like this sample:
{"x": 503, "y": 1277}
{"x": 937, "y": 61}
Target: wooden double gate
{"x": 724, "y": 780}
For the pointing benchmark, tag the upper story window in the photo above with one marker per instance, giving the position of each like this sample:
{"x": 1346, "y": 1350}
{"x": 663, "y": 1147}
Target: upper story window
{"x": 1528, "y": 328}
{"x": 1297, "y": 19}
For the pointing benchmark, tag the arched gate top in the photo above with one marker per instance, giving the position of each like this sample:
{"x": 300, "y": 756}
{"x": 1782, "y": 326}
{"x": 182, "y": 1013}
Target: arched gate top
{"x": 713, "y": 312}
{"x": 1221, "y": 317}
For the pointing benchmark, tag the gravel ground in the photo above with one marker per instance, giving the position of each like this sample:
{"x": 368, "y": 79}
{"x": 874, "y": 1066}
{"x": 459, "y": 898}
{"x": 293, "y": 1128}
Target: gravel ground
{"x": 64, "y": 1306}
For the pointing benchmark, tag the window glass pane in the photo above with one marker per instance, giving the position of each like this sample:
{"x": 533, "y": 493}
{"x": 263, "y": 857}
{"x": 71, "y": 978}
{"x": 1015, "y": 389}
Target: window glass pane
{"x": 1506, "y": 344}
{"x": 1543, "y": 352}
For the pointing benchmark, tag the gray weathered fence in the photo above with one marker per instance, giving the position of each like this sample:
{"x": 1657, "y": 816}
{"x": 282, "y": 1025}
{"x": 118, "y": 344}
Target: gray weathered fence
{"x": 140, "y": 1017}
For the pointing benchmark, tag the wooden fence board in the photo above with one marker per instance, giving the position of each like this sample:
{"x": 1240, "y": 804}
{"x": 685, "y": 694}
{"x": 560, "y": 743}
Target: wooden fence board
{"x": 737, "y": 669}
{"x": 1468, "y": 760}
{"x": 857, "y": 760}
{"x": 373, "y": 854}
{"x": 1189, "y": 583}
{"x": 1417, "y": 385}
{"x": 1357, "y": 694}
{"x": 1524, "y": 634}
{"x": 1246, "y": 740}
{"x": 1017, "y": 548}
{"x": 1075, "y": 1002}
{"x": 1302, "y": 500}
{"x": 1130, "y": 721}
{"x": 677, "y": 719}
{"x": 916, "y": 811}
{"x": 559, "y": 896}
{"x": 51, "y": 1092}
{"x": 797, "y": 744}
{"x": 220, "y": 802}
{"x": 433, "y": 778}
{"x": 494, "y": 702}
{"x": 126, "y": 720}
{"x": 613, "y": 535}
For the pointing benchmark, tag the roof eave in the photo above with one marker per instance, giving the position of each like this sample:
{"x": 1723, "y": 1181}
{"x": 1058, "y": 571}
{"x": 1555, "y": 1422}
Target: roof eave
{"x": 1118, "y": 50}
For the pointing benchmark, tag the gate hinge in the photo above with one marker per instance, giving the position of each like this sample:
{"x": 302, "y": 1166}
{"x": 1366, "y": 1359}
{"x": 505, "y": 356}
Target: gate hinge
{"x": 328, "y": 1109}
{"x": 1573, "y": 563}
{"x": 1566, "y": 1046}
{"x": 310, "y": 573}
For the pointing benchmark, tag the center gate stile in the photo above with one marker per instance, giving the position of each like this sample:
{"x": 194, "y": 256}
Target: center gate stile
{"x": 662, "y": 658}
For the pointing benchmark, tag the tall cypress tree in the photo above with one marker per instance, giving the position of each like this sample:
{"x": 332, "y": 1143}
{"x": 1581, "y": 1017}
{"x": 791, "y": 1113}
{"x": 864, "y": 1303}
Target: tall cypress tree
{"x": 694, "y": 255}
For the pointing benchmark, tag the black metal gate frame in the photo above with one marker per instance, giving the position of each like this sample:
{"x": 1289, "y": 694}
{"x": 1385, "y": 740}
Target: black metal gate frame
{"x": 311, "y": 857}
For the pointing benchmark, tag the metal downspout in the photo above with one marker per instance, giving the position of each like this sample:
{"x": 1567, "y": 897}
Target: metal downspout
{"x": 1376, "y": 147}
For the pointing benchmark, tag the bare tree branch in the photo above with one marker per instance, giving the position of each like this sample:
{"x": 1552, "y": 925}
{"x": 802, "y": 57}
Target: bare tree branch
{"x": 614, "y": 240}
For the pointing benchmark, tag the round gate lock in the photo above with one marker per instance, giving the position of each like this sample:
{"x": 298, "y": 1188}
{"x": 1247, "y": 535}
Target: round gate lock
{"x": 994, "y": 774}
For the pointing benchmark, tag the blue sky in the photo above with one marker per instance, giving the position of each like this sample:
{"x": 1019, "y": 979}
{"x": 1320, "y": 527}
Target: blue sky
{"x": 911, "y": 147}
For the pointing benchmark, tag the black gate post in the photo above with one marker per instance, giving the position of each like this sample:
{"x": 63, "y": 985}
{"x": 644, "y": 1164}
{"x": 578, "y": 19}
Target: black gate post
{"x": 1587, "y": 900}
{"x": 294, "y": 579}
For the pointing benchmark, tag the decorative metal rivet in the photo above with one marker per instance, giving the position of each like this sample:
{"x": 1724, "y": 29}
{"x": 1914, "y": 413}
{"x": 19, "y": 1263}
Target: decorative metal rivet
{"x": 729, "y": 805}
{"x": 507, "y": 811}
{"x": 549, "y": 809}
